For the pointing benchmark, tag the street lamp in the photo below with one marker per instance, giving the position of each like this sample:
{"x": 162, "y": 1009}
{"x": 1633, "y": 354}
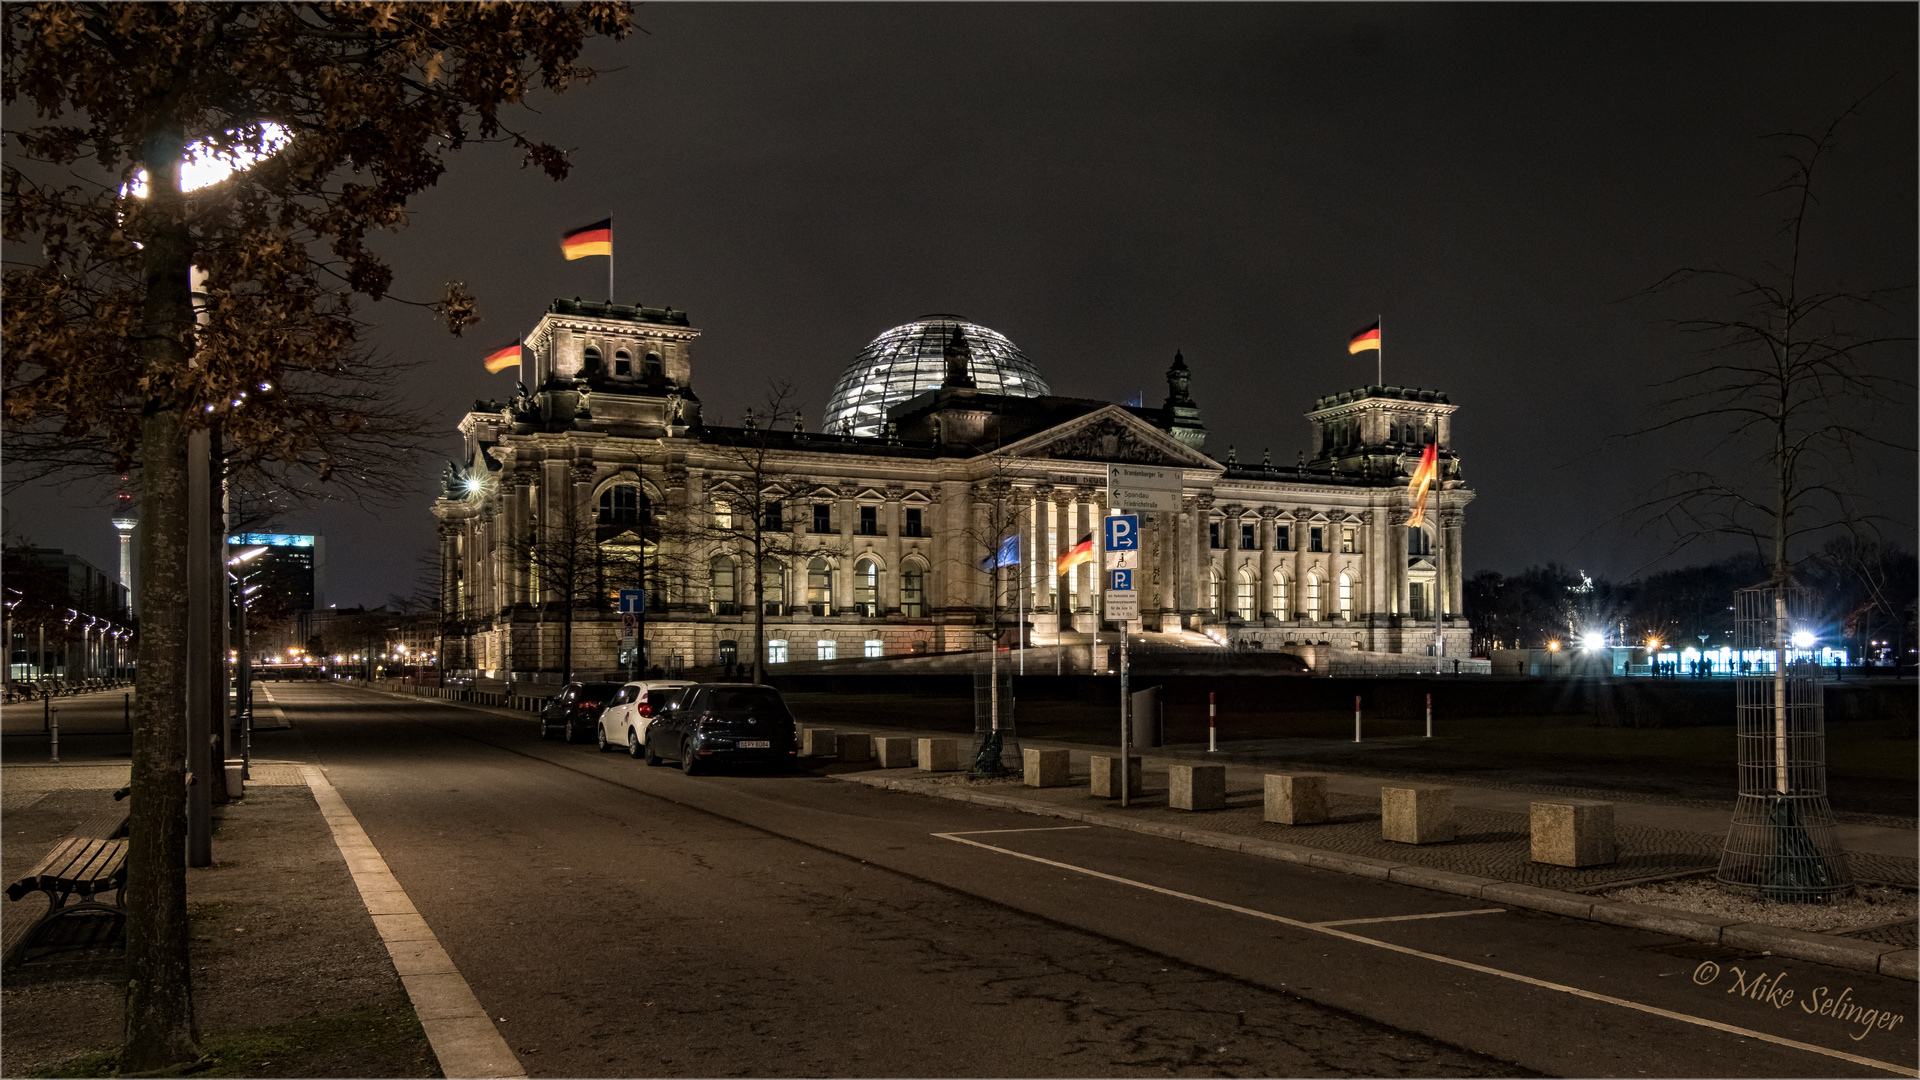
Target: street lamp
{"x": 1553, "y": 652}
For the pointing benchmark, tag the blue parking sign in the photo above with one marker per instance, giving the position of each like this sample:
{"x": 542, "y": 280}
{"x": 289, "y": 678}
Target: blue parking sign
{"x": 1120, "y": 580}
{"x": 1123, "y": 532}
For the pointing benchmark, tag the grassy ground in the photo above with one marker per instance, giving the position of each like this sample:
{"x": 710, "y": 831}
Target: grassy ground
{"x": 340, "y": 1043}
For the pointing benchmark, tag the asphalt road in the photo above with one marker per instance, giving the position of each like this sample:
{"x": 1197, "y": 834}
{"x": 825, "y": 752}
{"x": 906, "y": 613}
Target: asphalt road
{"x": 626, "y": 921}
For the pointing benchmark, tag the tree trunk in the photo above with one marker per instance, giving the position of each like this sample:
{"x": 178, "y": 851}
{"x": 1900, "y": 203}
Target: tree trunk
{"x": 159, "y": 1005}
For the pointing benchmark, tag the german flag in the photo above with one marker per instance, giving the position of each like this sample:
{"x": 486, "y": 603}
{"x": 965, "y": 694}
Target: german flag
{"x": 1423, "y": 478}
{"x": 1367, "y": 338}
{"x": 1081, "y": 552}
{"x": 502, "y": 358}
{"x": 594, "y": 239}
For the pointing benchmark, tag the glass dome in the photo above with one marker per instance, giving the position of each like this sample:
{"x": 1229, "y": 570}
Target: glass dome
{"x": 910, "y": 360}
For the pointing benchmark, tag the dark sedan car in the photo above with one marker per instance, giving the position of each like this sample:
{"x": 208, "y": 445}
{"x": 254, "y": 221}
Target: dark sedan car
{"x": 724, "y": 723}
{"x": 575, "y": 710}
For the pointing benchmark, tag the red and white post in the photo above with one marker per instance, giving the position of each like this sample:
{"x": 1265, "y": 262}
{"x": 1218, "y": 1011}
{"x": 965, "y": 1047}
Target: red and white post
{"x": 1429, "y": 716}
{"x": 1356, "y": 718}
{"x": 1210, "y": 743}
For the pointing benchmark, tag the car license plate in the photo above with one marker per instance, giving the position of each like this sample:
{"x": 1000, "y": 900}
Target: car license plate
{"x": 755, "y": 744}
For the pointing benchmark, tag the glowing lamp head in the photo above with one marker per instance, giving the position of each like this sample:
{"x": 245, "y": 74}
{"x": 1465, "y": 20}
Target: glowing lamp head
{"x": 472, "y": 485}
{"x": 1802, "y": 640}
{"x": 1553, "y": 646}
{"x": 1594, "y": 641}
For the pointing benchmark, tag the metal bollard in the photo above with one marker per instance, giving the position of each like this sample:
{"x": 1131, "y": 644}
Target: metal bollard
{"x": 54, "y": 726}
{"x": 1356, "y": 718}
{"x": 1429, "y": 716}
{"x": 126, "y": 703}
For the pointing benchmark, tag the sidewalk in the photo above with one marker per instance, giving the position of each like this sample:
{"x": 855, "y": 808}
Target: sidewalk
{"x": 290, "y": 976}
{"x": 1661, "y": 846}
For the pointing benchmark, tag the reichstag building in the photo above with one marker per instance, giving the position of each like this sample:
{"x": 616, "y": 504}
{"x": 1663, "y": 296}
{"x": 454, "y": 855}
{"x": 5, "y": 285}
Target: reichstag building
{"x": 940, "y": 438}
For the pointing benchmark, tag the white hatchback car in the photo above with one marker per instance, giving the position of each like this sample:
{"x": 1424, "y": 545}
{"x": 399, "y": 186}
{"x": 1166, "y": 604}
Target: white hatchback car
{"x": 623, "y": 723}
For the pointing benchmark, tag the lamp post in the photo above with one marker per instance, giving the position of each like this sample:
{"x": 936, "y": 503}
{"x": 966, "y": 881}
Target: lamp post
{"x": 1553, "y": 653}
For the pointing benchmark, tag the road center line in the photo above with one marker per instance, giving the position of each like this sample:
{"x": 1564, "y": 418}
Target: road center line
{"x": 1409, "y": 918}
{"x": 1322, "y": 928}
{"x": 460, "y": 1031}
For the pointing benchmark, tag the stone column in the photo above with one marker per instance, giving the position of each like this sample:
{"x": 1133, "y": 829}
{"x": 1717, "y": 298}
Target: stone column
{"x": 887, "y": 597}
{"x": 1397, "y": 560}
{"x": 951, "y": 546}
{"x": 1203, "y": 556}
{"x": 842, "y": 579}
{"x": 1263, "y": 592}
{"x": 1450, "y": 527}
{"x": 1297, "y": 593}
{"x": 1083, "y": 574}
{"x": 517, "y": 516}
{"x": 1063, "y": 541}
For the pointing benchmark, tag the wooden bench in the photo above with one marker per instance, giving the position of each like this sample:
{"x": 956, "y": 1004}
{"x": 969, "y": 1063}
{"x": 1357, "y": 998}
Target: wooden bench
{"x": 78, "y": 866}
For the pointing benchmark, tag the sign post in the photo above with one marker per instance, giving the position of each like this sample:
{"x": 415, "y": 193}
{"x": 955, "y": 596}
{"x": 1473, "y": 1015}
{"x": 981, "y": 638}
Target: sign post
{"x": 1120, "y": 545}
{"x": 633, "y": 604}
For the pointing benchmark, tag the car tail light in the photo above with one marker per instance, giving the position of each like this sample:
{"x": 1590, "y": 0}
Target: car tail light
{"x": 646, "y": 709}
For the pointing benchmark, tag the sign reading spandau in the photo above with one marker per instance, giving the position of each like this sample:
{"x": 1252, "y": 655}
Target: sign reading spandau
{"x": 1142, "y": 487}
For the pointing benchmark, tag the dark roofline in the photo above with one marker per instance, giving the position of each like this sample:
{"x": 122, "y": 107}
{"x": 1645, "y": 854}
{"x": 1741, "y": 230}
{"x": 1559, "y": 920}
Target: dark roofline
{"x": 1391, "y": 393}
{"x": 665, "y": 316}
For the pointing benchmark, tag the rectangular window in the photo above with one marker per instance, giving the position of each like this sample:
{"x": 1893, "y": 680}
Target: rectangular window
{"x": 913, "y": 580}
{"x": 1213, "y": 535}
{"x": 1280, "y": 538}
{"x": 1247, "y": 540}
{"x": 826, "y": 649}
{"x": 874, "y": 649}
{"x": 1347, "y": 540}
{"x": 1316, "y": 540}
{"x": 913, "y": 523}
{"x": 770, "y": 518}
{"x": 1417, "y": 600}
{"x": 722, "y": 516}
{"x": 869, "y": 521}
{"x": 822, "y": 517}
{"x": 777, "y": 651}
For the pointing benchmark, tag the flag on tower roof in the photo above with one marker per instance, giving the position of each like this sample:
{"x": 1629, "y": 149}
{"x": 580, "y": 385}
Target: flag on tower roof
{"x": 504, "y": 357}
{"x": 1367, "y": 337}
{"x": 594, "y": 239}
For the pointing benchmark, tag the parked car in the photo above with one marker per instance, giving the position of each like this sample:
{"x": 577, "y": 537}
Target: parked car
{"x": 724, "y": 723}
{"x": 624, "y": 721}
{"x": 576, "y": 709}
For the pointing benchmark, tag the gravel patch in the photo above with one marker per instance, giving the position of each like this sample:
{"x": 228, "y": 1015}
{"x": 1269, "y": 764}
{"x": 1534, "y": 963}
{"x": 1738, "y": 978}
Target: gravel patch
{"x": 1868, "y": 906}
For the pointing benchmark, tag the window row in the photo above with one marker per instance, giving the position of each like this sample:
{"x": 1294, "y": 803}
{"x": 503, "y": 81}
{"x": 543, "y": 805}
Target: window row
{"x": 1283, "y": 536}
{"x": 725, "y": 587}
{"x": 622, "y": 368}
{"x": 783, "y": 517}
{"x": 1279, "y": 597}
{"x": 778, "y": 651}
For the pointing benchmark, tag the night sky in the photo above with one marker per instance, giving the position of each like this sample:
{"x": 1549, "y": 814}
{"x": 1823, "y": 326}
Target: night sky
{"x": 1248, "y": 184}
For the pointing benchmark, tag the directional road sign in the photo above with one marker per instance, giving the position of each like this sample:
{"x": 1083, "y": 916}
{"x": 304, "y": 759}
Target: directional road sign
{"x": 1140, "y": 487}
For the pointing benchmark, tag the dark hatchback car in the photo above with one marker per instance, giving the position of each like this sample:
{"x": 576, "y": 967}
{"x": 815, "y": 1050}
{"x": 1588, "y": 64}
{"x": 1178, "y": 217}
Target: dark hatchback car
{"x": 724, "y": 723}
{"x": 575, "y": 710}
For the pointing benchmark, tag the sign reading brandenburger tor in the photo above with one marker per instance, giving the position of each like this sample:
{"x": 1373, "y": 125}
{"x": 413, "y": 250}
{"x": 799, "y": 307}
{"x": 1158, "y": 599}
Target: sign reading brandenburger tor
{"x": 1141, "y": 487}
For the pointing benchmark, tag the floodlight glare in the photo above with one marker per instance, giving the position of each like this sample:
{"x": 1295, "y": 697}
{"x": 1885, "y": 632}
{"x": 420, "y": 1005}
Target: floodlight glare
{"x": 1802, "y": 640}
{"x": 1594, "y": 641}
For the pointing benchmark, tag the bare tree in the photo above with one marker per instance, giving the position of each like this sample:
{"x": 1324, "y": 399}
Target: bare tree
{"x": 995, "y": 530}
{"x": 563, "y": 553}
{"x": 1788, "y": 386}
{"x": 750, "y": 518}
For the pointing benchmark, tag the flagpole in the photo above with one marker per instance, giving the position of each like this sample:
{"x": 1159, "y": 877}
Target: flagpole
{"x": 609, "y": 258}
{"x": 1380, "y": 352}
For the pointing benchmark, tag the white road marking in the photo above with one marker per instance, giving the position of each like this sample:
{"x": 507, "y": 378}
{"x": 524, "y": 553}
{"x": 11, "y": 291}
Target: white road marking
{"x": 989, "y": 832}
{"x": 461, "y": 1033}
{"x": 1409, "y": 918}
{"x": 1320, "y": 928}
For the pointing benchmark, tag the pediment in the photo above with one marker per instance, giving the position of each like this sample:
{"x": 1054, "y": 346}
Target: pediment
{"x": 1111, "y": 434}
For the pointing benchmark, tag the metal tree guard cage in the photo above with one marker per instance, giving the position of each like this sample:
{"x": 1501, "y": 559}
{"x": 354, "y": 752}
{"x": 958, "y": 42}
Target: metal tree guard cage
{"x": 1782, "y": 844}
{"x": 996, "y": 751}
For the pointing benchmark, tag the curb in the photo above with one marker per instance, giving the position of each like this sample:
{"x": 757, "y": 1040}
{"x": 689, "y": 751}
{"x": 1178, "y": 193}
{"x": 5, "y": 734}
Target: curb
{"x": 1867, "y": 956}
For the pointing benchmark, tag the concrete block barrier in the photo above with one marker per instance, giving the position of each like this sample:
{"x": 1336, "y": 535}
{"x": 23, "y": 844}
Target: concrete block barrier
{"x": 1572, "y": 832}
{"x": 1197, "y": 787}
{"x": 939, "y": 755}
{"x": 854, "y": 746}
{"x": 1416, "y": 813}
{"x": 818, "y": 742}
{"x": 1106, "y": 776}
{"x": 1297, "y": 798}
{"x": 893, "y": 752}
{"x": 1046, "y": 768}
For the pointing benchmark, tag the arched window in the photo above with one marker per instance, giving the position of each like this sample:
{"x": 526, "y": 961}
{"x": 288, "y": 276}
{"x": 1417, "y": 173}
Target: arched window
{"x": 866, "y": 587}
{"x": 820, "y": 587}
{"x": 623, "y": 363}
{"x": 589, "y": 361}
{"x": 913, "y": 590}
{"x": 620, "y": 505}
{"x": 1243, "y": 596}
{"x": 722, "y": 590}
{"x": 1214, "y": 599}
{"x": 1280, "y": 610}
{"x": 773, "y": 586}
{"x": 650, "y": 366}
{"x": 1313, "y": 596}
{"x": 1419, "y": 541}
{"x": 1346, "y": 598}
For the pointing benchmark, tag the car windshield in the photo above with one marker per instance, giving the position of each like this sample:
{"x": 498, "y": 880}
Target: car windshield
{"x": 746, "y": 703}
{"x": 598, "y": 692}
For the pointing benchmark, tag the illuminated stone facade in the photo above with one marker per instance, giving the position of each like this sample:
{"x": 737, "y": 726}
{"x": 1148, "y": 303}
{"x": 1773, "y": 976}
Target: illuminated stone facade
{"x": 877, "y": 540}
